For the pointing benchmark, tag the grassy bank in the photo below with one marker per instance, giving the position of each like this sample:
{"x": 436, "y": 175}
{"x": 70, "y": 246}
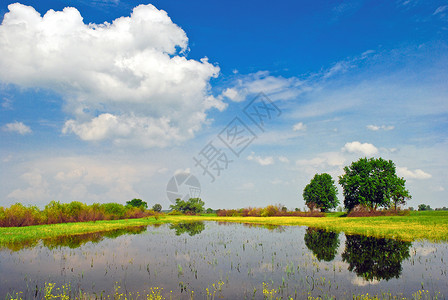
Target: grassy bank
{"x": 432, "y": 226}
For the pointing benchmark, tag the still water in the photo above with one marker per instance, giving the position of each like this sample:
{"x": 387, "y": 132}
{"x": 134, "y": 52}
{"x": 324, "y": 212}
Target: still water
{"x": 232, "y": 261}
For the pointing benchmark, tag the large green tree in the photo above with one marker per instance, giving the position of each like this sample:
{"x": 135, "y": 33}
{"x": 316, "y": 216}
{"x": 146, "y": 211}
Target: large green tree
{"x": 193, "y": 205}
{"x": 157, "y": 207}
{"x": 137, "y": 203}
{"x": 372, "y": 183}
{"x": 321, "y": 192}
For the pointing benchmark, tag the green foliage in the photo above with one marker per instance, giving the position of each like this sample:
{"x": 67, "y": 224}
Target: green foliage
{"x": 56, "y": 212}
{"x": 373, "y": 258}
{"x": 269, "y": 211}
{"x": 423, "y": 207}
{"x": 157, "y": 207}
{"x": 192, "y": 228}
{"x": 372, "y": 183}
{"x": 137, "y": 203}
{"x": 324, "y": 244}
{"x": 321, "y": 193}
{"x": 192, "y": 206}
{"x": 18, "y": 215}
{"x": 113, "y": 211}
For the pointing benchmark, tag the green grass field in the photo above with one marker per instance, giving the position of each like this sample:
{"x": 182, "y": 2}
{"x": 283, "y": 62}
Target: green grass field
{"x": 432, "y": 226}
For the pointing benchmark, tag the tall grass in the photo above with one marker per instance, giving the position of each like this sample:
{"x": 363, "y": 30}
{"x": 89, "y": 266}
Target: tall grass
{"x": 18, "y": 215}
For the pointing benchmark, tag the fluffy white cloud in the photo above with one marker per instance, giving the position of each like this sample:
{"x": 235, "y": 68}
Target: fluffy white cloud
{"x": 383, "y": 127}
{"x": 119, "y": 80}
{"x": 299, "y": 127}
{"x": 364, "y": 148}
{"x": 263, "y": 161}
{"x": 17, "y": 127}
{"x": 233, "y": 95}
{"x": 148, "y": 132}
{"x": 416, "y": 174}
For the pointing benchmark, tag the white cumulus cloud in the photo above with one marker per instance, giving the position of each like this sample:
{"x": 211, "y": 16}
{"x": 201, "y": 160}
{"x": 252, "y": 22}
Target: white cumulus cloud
{"x": 126, "y": 81}
{"x": 416, "y": 174}
{"x": 17, "y": 127}
{"x": 362, "y": 148}
{"x": 263, "y": 161}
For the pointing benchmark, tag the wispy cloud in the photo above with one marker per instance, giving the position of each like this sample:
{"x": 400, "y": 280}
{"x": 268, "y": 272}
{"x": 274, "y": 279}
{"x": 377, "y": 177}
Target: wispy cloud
{"x": 283, "y": 159}
{"x": 440, "y": 10}
{"x": 17, "y": 127}
{"x": 382, "y": 127}
{"x": 416, "y": 174}
{"x": 263, "y": 161}
{"x": 299, "y": 127}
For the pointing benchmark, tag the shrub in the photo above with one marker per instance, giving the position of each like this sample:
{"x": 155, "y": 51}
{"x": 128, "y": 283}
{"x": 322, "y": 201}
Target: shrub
{"x": 255, "y": 212}
{"x": 269, "y": 211}
{"x": 54, "y": 213}
{"x": 73, "y": 211}
{"x": 113, "y": 211}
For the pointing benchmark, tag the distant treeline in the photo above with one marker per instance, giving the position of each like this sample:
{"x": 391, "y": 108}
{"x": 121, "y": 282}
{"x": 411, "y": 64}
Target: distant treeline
{"x": 18, "y": 215}
{"x": 268, "y": 211}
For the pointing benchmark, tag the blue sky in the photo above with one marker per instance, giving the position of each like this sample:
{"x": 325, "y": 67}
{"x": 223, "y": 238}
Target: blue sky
{"x": 104, "y": 101}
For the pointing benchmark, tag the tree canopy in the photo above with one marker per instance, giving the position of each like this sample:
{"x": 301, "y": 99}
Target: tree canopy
{"x": 157, "y": 207}
{"x": 321, "y": 192}
{"x": 372, "y": 183}
{"x": 137, "y": 203}
{"x": 193, "y": 205}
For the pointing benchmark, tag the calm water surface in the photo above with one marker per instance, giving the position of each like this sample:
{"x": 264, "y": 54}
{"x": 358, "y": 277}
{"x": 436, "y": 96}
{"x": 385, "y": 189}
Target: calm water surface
{"x": 180, "y": 258}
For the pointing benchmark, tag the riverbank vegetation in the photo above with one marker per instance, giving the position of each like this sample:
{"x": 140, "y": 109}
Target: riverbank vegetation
{"x": 426, "y": 225}
{"x": 18, "y": 215}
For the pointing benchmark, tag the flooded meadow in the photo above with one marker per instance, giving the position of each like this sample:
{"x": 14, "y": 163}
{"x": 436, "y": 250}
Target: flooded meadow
{"x": 211, "y": 260}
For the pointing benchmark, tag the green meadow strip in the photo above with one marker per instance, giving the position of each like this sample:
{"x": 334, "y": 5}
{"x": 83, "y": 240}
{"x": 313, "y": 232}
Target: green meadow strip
{"x": 431, "y": 226}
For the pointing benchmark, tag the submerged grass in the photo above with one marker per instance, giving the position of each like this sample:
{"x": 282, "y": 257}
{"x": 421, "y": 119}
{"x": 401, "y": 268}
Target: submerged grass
{"x": 67, "y": 292}
{"x": 432, "y": 226}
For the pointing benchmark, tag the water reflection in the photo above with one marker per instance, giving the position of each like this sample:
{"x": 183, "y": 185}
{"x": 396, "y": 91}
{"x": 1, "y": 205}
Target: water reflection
{"x": 248, "y": 259}
{"x": 270, "y": 227}
{"x": 324, "y": 244}
{"x": 375, "y": 259}
{"x": 192, "y": 228}
{"x": 74, "y": 241}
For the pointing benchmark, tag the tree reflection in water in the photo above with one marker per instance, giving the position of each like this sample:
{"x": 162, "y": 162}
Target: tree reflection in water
{"x": 75, "y": 241}
{"x": 192, "y": 228}
{"x": 324, "y": 244}
{"x": 375, "y": 259}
